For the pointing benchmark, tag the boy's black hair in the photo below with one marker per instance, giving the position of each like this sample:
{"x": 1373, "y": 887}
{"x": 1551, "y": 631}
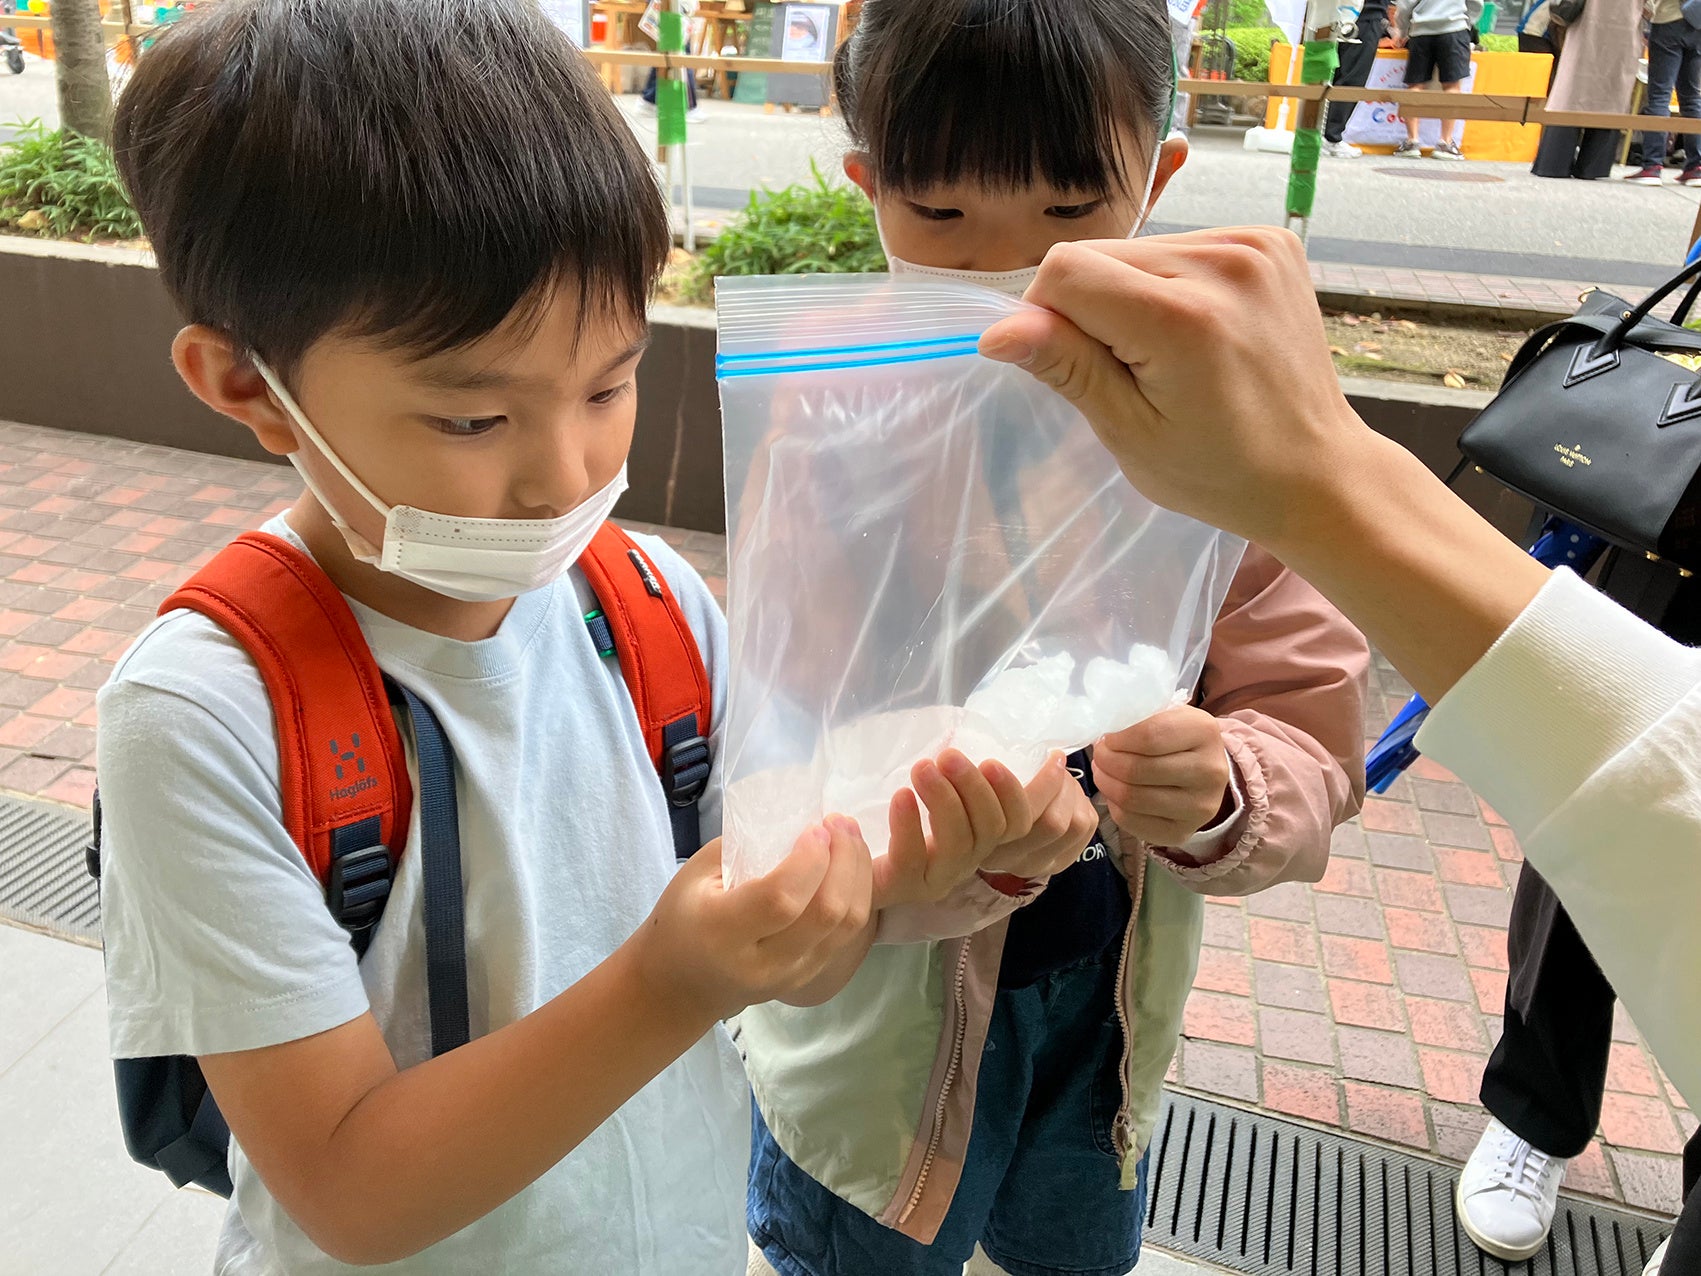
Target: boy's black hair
{"x": 408, "y": 171}
{"x": 1005, "y": 93}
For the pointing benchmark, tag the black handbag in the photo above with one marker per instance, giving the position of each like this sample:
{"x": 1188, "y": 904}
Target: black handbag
{"x": 1565, "y": 12}
{"x": 1596, "y": 423}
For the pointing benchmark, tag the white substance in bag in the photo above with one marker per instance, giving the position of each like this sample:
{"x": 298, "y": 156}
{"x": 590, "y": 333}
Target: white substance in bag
{"x": 928, "y": 550}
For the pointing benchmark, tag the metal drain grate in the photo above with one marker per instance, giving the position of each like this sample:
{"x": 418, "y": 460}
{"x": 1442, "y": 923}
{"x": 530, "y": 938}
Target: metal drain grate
{"x": 43, "y": 880}
{"x": 1272, "y": 1198}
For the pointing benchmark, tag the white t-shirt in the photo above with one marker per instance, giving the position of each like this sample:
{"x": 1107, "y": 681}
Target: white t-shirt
{"x": 218, "y": 937}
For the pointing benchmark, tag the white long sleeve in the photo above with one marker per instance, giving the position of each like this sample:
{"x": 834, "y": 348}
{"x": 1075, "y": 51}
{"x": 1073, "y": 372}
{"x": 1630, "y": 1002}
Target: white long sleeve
{"x": 1582, "y": 727}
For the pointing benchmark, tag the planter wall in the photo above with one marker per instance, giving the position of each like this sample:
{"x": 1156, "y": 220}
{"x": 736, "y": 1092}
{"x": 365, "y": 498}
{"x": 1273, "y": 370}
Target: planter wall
{"x": 114, "y": 377}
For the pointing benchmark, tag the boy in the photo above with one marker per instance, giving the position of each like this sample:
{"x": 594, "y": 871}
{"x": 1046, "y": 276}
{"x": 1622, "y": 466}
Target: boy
{"x": 414, "y": 245}
{"x": 1436, "y": 35}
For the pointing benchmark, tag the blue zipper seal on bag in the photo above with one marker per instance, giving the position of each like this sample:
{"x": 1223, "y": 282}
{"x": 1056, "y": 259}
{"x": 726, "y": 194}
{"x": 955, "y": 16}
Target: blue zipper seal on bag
{"x": 775, "y": 362}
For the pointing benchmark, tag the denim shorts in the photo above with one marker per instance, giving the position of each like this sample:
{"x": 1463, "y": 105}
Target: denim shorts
{"x": 1041, "y": 1186}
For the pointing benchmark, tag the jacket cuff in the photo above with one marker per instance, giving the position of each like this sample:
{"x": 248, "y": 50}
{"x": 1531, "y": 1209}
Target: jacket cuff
{"x": 1557, "y": 677}
{"x": 972, "y": 907}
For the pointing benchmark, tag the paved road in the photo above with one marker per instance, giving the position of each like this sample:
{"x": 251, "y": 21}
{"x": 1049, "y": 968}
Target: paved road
{"x": 1494, "y": 219}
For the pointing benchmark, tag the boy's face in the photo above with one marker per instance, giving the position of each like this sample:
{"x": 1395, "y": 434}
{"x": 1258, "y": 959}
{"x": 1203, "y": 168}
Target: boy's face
{"x": 964, "y": 226}
{"x": 526, "y": 422}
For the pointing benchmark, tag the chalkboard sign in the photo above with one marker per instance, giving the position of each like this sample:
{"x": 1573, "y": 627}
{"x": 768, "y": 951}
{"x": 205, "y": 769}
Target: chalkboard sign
{"x": 751, "y": 87}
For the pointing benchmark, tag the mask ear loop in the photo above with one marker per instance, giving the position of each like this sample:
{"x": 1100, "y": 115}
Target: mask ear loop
{"x": 1163, "y": 136}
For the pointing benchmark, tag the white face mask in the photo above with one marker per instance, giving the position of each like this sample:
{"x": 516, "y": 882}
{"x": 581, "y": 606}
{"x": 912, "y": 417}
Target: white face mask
{"x": 475, "y": 560}
{"x": 1013, "y": 282}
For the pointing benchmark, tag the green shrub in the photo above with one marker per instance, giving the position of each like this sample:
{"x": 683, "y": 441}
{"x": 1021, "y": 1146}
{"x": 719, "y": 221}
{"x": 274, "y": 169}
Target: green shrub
{"x": 1241, "y": 13}
{"x": 1500, "y": 44}
{"x": 1252, "y": 51}
{"x": 808, "y": 228}
{"x": 64, "y": 185}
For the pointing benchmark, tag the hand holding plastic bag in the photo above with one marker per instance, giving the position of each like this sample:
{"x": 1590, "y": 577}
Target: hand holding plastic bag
{"x": 929, "y": 550}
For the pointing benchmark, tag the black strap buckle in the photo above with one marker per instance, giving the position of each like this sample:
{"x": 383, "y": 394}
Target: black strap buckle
{"x": 359, "y": 887}
{"x": 685, "y": 769}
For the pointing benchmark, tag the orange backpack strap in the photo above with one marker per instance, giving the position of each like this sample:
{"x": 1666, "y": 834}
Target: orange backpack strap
{"x": 640, "y": 621}
{"x": 346, "y": 795}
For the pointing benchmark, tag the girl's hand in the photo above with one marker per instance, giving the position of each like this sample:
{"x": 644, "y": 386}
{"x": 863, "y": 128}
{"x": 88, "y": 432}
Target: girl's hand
{"x": 972, "y": 811}
{"x": 1063, "y": 827}
{"x": 1166, "y": 778}
{"x": 982, "y": 821}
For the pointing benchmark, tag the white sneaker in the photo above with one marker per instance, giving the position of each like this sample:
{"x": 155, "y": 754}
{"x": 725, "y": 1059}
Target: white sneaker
{"x": 1653, "y": 1267}
{"x": 1341, "y": 150}
{"x": 1507, "y": 1194}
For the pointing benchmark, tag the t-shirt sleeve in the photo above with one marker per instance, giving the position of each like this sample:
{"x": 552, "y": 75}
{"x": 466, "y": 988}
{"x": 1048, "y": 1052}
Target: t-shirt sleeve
{"x": 216, "y": 932}
{"x": 709, "y": 624}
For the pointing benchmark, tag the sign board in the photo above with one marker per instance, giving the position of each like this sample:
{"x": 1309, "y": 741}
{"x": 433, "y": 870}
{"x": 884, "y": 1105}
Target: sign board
{"x": 1380, "y": 123}
{"x": 752, "y": 87}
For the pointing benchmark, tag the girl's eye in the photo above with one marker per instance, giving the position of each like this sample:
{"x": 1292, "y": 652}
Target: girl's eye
{"x": 466, "y": 426}
{"x": 935, "y": 214}
{"x": 1070, "y": 212}
{"x": 608, "y": 396}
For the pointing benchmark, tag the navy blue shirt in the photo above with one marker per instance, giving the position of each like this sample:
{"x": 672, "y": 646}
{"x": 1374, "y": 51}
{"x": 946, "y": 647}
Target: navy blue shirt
{"x": 1082, "y": 911}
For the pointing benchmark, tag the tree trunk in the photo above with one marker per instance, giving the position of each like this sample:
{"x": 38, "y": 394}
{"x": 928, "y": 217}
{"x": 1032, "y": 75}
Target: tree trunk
{"x": 85, "y": 94}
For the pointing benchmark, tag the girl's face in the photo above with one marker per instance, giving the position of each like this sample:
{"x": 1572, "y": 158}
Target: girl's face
{"x": 963, "y": 226}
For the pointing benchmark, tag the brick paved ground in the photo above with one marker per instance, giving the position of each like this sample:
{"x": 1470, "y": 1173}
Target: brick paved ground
{"x": 1367, "y": 1002}
{"x": 1452, "y": 288}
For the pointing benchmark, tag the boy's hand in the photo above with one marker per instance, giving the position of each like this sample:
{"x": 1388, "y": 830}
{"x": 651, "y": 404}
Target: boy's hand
{"x": 724, "y": 950}
{"x": 981, "y": 818}
{"x": 1166, "y": 778}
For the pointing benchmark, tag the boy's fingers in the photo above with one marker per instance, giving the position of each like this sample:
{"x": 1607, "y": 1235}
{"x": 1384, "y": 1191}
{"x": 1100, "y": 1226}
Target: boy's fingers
{"x": 840, "y": 901}
{"x": 778, "y": 898}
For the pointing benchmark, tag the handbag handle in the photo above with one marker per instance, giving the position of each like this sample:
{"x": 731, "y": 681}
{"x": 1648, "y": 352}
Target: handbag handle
{"x": 1609, "y": 344}
{"x": 1681, "y": 314}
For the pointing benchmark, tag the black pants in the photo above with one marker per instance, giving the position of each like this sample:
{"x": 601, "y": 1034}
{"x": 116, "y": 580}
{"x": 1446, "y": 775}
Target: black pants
{"x": 1585, "y": 153}
{"x": 1546, "y": 1077}
{"x": 1354, "y": 71}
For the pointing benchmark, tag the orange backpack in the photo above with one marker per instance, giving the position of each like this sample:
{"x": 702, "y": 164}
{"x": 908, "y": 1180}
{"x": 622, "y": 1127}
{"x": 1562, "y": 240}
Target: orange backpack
{"x": 347, "y": 797}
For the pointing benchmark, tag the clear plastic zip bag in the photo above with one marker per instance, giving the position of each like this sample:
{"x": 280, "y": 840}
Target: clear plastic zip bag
{"x": 927, "y": 550}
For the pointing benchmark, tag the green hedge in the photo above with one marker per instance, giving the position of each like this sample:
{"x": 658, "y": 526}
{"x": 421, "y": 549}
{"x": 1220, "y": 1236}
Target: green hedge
{"x": 1252, "y": 51}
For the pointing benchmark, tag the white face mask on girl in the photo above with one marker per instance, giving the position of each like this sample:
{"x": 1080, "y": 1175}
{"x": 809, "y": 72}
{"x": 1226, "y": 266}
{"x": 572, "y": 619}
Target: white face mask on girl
{"x": 475, "y": 560}
{"x": 1013, "y": 282}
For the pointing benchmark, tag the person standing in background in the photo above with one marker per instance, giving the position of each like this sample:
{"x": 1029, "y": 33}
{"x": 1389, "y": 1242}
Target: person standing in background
{"x": 1674, "y": 62}
{"x": 1596, "y": 73}
{"x": 1436, "y": 35}
{"x": 1537, "y": 33}
{"x": 1357, "y": 57}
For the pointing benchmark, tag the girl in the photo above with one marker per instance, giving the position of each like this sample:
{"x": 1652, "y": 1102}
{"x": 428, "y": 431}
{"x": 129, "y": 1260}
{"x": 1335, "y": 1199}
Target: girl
{"x": 992, "y": 1073}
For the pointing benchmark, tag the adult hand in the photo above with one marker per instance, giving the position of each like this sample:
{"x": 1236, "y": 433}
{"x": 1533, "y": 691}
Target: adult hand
{"x": 1200, "y": 360}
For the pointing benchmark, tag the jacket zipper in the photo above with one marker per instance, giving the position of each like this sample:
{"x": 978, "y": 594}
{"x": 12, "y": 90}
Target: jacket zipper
{"x": 1122, "y": 1138}
{"x": 959, "y": 1030}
